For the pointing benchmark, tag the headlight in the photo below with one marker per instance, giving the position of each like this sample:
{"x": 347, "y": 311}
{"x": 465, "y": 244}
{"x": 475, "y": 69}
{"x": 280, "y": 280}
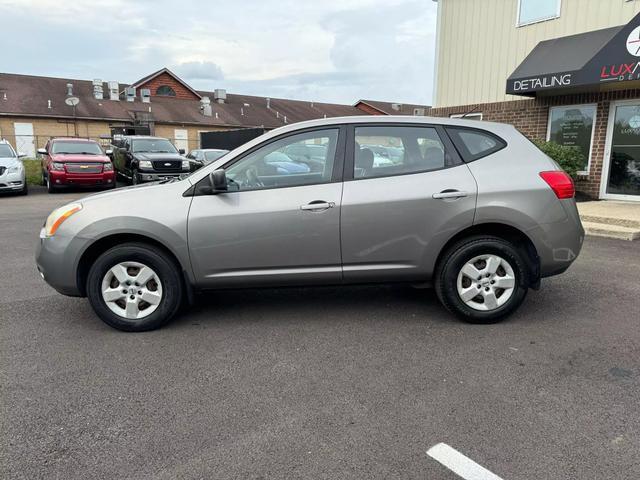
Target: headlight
{"x": 108, "y": 167}
{"x": 16, "y": 168}
{"x": 57, "y": 166}
{"x": 145, "y": 164}
{"x": 186, "y": 165}
{"x": 58, "y": 216}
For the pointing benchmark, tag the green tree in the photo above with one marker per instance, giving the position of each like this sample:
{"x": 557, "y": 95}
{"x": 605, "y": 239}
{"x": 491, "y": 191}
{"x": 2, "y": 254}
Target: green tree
{"x": 570, "y": 159}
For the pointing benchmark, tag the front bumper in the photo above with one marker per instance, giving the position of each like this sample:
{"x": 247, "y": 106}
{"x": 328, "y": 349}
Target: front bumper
{"x": 154, "y": 177}
{"x": 56, "y": 259}
{"x": 12, "y": 182}
{"x": 64, "y": 179}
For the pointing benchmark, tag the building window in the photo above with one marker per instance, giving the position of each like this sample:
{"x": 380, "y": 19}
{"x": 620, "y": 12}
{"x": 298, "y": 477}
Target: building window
{"x": 468, "y": 116}
{"x": 532, "y": 11}
{"x": 166, "y": 91}
{"x": 573, "y": 126}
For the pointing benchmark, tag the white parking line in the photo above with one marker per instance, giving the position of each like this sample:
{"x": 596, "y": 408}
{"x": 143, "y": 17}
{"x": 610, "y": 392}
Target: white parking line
{"x": 459, "y": 464}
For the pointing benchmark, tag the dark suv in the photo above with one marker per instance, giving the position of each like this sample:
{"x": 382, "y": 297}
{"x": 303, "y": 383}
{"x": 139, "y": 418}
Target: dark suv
{"x": 147, "y": 159}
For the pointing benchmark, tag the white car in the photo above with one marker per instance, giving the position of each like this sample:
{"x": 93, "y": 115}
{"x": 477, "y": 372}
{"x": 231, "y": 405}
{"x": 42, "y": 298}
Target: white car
{"x": 12, "y": 173}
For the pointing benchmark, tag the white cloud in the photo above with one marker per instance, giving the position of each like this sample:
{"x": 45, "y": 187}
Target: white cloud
{"x": 334, "y": 50}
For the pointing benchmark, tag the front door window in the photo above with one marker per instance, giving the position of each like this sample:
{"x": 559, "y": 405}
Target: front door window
{"x": 624, "y": 167}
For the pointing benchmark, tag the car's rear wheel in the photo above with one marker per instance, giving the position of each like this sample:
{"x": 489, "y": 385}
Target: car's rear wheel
{"x": 482, "y": 279}
{"x": 135, "y": 287}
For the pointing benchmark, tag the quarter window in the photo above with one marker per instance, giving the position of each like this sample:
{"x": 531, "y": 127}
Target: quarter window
{"x": 396, "y": 150}
{"x": 532, "y": 11}
{"x": 302, "y": 159}
{"x": 474, "y": 144}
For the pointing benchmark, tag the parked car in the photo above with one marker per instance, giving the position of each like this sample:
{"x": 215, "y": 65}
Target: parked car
{"x": 482, "y": 223}
{"x": 139, "y": 159}
{"x": 73, "y": 162}
{"x": 204, "y": 156}
{"x": 12, "y": 173}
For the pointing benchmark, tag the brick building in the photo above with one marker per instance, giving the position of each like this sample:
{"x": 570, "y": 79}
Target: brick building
{"x": 561, "y": 70}
{"x": 34, "y": 108}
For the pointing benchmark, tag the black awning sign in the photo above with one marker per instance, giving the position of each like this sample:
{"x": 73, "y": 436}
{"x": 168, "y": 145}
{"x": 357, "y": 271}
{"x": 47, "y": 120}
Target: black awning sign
{"x": 589, "y": 59}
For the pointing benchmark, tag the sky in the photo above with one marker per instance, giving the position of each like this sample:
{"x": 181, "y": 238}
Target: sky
{"x": 321, "y": 50}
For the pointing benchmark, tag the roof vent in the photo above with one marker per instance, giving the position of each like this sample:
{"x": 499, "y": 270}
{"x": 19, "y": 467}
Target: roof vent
{"x": 396, "y": 106}
{"x": 205, "y": 106}
{"x": 419, "y": 112}
{"x": 69, "y": 89}
{"x": 49, "y": 104}
{"x": 145, "y": 95}
{"x": 220, "y": 95}
{"x": 114, "y": 93}
{"x": 97, "y": 89}
{"x": 268, "y": 102}
{"x": 242, "y": 111}
{"x": 131, "y": 94}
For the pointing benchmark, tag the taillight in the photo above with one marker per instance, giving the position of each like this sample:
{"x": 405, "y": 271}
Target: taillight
{"x": 560, "y": 183}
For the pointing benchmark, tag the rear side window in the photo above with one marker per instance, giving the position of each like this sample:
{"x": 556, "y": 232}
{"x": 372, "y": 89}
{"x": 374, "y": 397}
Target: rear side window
{"x": 474, "y": 144}
{"x": 382, "y": 151}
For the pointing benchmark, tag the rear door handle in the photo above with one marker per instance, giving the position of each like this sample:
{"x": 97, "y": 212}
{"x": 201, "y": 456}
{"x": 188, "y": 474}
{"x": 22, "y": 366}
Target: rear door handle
{"x": 450, "y": 194}
{"x": 318, "y": 205}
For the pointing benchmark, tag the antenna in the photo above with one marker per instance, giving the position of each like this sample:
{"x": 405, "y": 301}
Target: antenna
{"x": 470, "y": 111}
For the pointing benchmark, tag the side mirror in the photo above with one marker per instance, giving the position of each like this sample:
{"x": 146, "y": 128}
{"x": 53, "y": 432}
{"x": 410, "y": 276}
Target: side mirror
{"x": 42, "y": 151}
{"x": 218, "y": 180}
{"x": 108, "y": 152}
{"x": 21, "y": 154}
{"x": 181, "y": 151}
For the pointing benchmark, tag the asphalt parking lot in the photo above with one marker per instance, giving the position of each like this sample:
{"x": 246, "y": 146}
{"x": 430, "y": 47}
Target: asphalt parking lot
{"x": 319, "y": 383}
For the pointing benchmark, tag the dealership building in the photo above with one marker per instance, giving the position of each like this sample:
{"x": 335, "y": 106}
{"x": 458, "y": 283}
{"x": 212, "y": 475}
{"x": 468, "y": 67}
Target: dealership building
{"x": 561, "y": 70}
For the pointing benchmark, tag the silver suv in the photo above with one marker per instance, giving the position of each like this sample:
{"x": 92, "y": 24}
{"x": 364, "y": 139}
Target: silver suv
{"x": 473, "y": 209}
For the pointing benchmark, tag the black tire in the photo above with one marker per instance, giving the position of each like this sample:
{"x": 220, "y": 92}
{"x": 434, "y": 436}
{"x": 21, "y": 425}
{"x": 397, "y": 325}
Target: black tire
{"x": 43, "y": 180}
{"x": 25, "y": 189}
{"x": 453, "y": 260}
{"x": 50, "y": 187}
{"x": 167, "y": 270}
{"x": 134, "y": 177}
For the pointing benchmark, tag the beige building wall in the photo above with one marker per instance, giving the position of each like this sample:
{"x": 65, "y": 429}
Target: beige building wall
{"x": 43, "y": 129}
{"x": 193, "y": 133}
{"x": 479, "y": 45}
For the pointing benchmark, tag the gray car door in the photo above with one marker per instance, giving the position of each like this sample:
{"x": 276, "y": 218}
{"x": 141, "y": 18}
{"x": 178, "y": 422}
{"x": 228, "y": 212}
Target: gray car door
{"x": 281, "y": 226}
{"x": 406, "y": 193}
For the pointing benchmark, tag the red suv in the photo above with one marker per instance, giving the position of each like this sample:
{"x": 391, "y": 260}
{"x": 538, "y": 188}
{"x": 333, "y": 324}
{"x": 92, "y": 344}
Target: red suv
{"x": 75, "y": 162}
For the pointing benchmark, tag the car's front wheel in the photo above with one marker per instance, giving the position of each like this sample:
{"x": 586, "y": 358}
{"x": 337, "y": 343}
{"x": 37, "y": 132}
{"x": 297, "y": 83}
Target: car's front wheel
{"x": 482, "y": 279}
{"x": 135, "y": 287}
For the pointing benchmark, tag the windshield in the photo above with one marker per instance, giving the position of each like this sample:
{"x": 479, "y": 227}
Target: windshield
{"x": 82, "y": 148}
{"x": 211, "y": 156}
{"x": 6, "y": 150}
{"x": 153, "y": 145}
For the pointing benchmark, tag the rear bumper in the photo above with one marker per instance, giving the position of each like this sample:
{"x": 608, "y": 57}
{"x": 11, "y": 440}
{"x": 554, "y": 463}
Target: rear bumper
{"x": 558, "y": 244}
{"x": 62, "y": 179}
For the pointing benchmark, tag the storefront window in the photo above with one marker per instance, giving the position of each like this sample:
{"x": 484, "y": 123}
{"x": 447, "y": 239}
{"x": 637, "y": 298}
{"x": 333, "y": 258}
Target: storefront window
{"x": 573, "y": 127}
{"x": 531, "y": 11}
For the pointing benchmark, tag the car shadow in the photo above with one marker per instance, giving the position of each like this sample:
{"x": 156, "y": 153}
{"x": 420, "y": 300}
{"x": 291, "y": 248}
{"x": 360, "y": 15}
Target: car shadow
{"x": 399, "y": 302}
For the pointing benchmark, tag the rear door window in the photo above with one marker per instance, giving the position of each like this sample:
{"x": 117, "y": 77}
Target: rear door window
{"x": 383, "y": 150}
{"x": 474, "y": 144}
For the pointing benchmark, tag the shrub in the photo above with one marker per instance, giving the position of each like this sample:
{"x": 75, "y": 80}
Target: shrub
{"x": 570, "y": 159}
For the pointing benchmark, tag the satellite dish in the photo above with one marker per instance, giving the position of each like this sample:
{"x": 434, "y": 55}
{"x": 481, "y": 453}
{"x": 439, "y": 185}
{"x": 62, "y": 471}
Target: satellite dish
{"x": 72, "y": 101}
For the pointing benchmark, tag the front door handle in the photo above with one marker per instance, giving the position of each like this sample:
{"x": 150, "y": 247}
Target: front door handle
{"x": 450, "y": 194}
{"x": 318, "y": 206}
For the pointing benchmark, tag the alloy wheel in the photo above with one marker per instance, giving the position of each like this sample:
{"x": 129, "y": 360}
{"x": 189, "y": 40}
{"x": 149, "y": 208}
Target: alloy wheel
{"x": 486, "y": 282}
{"x": 131, "y": 290}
